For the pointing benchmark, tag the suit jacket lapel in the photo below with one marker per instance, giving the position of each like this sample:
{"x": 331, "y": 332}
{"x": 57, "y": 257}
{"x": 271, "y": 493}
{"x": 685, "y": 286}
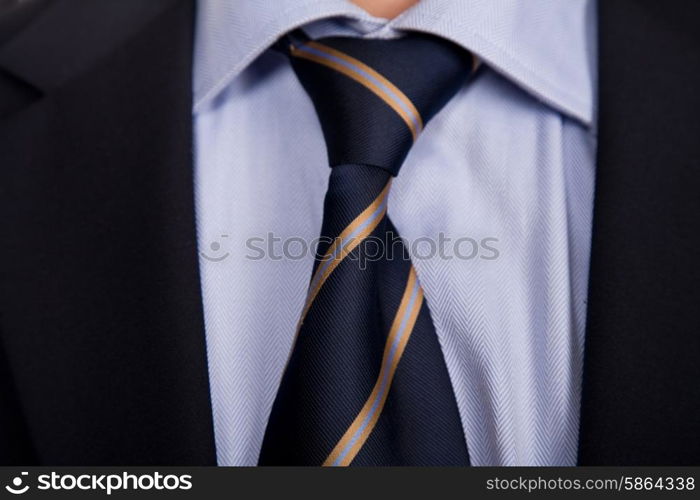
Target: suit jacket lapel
{"x": 100, "y": 309}
{"x": 641, "y": 396}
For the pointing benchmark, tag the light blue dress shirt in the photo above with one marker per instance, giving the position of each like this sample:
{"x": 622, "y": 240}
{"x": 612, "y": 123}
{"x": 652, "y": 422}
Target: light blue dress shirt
{"x": 503, "y": 177}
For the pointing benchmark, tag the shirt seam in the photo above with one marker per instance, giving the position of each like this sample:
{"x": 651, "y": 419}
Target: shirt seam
{"x": 246, "y": 60}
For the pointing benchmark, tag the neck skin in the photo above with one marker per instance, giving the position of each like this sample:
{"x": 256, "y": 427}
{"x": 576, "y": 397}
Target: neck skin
{"x": 388, "y": 9}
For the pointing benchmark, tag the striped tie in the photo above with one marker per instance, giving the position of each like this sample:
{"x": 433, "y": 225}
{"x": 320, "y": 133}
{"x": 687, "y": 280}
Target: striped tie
{"x": 366, "y": 382}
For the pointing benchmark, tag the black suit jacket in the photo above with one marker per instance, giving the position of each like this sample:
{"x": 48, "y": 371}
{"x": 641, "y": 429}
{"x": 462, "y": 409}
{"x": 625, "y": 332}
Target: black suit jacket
{"x": 102, "y": 347}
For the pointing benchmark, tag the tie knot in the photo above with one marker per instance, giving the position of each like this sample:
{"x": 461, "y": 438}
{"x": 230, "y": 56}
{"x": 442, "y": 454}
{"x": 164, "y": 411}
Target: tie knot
{"x": 373, "y": 97}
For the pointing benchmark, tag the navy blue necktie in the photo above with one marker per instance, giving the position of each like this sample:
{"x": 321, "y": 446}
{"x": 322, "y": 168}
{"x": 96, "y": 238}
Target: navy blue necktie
{"x": 366, "y": 382}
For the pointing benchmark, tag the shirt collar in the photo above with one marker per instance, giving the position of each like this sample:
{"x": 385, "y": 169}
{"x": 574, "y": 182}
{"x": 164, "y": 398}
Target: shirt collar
{"x": 547, "y": 47}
